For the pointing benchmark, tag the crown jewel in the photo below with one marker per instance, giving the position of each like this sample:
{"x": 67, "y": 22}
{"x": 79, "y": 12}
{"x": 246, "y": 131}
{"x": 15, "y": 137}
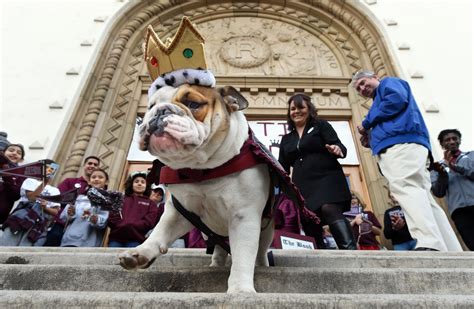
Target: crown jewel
{"x": 184, "y": 51}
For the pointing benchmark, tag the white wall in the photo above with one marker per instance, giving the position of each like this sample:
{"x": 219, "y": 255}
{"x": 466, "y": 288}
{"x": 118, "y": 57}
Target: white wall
{"x": 40, "y": 42}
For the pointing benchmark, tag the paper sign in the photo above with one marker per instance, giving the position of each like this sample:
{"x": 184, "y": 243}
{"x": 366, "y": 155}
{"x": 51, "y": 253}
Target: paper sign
{"x": 293, "y": 243}
{"x": 286, "y": 240}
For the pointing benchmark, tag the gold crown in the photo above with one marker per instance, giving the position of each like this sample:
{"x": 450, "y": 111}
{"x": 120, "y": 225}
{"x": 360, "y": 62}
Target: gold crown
{"x": 184, "y": 51}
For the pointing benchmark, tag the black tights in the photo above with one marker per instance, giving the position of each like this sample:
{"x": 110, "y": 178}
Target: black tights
{"x": 330, "y": 213}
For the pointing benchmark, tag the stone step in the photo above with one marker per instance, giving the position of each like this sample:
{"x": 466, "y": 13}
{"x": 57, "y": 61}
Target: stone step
{"x": 284, "y": 258}
{"x": 214, "y": 280}
{"x": 43, "y": 299}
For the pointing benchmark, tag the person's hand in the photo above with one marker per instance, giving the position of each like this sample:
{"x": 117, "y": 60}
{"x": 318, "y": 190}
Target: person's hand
{"x": 364, "y": 136}
{"x": 450, "y": 159}
{"x": 364, "y": 141}
{"x": 436, "y": 166}
{"x": 397, "y": 223}
{"x": 46, "y": 181}
{"x": 358, "y": 219}
{"x": 93, "y": 219}
{"x": 335, "y": 150}
{"x": 71, "y": 211}
{"x": 361, "y": 130}
{"x": 43, "y": 204}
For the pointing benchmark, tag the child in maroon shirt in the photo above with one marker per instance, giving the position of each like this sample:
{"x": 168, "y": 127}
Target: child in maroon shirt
{"x": 138, "y": 216}
{"x": 365, "y": 226}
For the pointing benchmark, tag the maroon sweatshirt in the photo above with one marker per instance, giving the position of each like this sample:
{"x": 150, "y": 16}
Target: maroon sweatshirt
{"x": 9, "y": 193}
{"x": 139, "y": 215}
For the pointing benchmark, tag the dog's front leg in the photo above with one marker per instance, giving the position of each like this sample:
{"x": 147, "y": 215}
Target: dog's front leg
{"x": 244, "y": 236}
{"x": 171, "y": 226}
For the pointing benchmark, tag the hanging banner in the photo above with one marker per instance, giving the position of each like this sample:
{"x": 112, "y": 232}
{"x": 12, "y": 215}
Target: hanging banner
{"x": 37, "y": 170}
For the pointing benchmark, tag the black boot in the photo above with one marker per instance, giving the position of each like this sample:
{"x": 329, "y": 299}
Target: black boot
{"x": 342, "y": 233}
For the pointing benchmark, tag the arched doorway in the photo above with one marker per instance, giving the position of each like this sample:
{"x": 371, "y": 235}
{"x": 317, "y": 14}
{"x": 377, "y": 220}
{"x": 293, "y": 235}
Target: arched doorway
{"x": 267, "y": 50}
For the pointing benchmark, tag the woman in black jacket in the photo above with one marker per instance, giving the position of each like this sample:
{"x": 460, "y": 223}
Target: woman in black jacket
{"x": 312, "y": 148}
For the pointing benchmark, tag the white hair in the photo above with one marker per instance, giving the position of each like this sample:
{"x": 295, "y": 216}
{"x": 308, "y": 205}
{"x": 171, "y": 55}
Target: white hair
{"x": 360, "y": 74}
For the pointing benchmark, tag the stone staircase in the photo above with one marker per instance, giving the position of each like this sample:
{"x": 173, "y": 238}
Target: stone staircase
{"x": 91, "y": 278}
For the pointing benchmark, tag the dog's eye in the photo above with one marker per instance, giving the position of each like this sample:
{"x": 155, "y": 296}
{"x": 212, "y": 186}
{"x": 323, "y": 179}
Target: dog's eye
{"x": 151, "y": 106}
{"x": 192, "y": 104}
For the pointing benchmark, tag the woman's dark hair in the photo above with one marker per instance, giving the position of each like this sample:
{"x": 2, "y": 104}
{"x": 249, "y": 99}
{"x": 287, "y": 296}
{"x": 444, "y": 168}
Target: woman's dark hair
{"x": 103, "y": 172}
{"x": 299, "y": 99}
{"x": 19, "y": 146}
{"x": 443, "y": 133}
{"x": 129, "y": 183}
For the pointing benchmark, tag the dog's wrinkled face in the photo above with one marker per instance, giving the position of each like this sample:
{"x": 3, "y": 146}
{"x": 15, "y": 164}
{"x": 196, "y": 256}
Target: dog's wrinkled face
{"x": 188, "y": 123}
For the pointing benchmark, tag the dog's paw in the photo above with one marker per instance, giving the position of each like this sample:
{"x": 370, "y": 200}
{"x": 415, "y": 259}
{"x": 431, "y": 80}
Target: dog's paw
{"x": 133, "y": 260}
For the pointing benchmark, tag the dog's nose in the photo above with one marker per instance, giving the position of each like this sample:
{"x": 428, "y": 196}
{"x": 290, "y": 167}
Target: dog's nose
{"x": 157, "y": 123}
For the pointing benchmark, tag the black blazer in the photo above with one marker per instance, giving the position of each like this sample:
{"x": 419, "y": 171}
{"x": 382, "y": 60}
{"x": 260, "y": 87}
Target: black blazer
{"x": 316, "y": 172}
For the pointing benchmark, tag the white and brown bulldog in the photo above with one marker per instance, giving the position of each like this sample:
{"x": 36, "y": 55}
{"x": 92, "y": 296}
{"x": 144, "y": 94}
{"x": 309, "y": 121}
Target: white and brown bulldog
{"x": 202, "y": 128}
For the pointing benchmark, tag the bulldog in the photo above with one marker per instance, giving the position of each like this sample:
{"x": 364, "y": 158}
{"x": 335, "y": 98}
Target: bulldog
{"x": 196, "y": 127}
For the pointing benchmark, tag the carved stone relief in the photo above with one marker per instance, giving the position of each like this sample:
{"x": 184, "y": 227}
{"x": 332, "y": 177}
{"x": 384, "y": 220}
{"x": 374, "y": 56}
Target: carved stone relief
{"x": 264, "y": 47}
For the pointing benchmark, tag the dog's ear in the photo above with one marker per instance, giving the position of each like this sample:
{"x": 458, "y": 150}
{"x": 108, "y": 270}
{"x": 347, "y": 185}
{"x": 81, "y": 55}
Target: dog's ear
{"x": 233, "y": 99}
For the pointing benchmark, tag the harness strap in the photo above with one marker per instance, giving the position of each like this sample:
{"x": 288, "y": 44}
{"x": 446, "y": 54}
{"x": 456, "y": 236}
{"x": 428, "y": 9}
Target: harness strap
{"x": 197, "y": 222}
{"x": 244, "y": 160}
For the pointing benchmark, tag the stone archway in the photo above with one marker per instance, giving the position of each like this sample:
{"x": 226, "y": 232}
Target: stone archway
{"x": 104, "y": 117}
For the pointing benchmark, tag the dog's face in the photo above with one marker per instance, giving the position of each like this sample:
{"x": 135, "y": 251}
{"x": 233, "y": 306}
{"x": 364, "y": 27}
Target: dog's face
{"x": 188, "y": 123}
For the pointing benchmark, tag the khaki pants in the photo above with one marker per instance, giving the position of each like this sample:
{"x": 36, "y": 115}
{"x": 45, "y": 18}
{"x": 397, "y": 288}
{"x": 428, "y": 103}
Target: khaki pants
{"x": 405, "y": 167}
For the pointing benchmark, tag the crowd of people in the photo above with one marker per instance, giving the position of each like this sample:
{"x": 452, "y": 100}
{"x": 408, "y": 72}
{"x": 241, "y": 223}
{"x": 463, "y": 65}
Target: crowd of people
{"x": 396, "y": 133}
{"x": 393, "y": 129}
{"x": 34, "y": 221}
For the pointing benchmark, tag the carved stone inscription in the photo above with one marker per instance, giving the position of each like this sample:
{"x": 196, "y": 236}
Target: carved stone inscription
{"x": 332, "y": 101}
{"x": 254, "y": 46}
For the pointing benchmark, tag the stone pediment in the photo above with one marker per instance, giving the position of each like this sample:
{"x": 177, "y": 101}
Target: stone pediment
{"x": 253, "y": 46}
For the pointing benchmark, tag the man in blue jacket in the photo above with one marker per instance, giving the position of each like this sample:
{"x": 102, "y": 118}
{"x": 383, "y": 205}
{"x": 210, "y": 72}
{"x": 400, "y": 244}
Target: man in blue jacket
{"x": 395, "y": 131}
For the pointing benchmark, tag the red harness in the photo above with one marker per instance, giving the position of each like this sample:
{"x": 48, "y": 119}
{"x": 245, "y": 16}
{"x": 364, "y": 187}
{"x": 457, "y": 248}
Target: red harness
{"x": 245, "y": 159}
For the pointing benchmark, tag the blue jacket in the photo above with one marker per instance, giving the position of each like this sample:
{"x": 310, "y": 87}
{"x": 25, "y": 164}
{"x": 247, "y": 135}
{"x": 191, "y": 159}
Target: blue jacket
{"x": 394, "y": 117}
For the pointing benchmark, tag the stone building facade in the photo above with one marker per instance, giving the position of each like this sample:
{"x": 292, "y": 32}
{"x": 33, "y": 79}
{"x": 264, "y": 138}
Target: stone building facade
{"x": 266, "y": 49}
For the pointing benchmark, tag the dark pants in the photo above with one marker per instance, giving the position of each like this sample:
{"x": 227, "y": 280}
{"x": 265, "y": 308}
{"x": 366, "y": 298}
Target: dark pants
{"x": 55, "y": 235}
{"x": 130, "y": 244}
{"x": 464, "y": 220}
